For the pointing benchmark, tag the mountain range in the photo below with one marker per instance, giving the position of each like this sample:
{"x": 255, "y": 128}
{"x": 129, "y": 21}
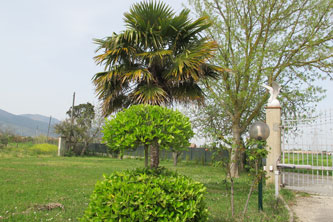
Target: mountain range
{"x": 27, "y": 124}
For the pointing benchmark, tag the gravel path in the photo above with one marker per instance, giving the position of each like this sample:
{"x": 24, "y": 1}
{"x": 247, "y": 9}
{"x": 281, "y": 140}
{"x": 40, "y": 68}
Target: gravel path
{"x": 314, "y": 208}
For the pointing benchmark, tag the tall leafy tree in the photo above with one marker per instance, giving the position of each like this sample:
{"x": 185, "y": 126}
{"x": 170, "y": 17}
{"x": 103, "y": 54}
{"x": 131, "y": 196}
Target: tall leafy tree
{"x": 288, "y": 41}
{"x": 159, "y": 59}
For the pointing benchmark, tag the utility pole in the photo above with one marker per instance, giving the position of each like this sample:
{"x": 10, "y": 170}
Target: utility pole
{"x": 48, "y": 129}
{"x": 72, "y": 113}
{"x": 36, "y": 134}
{"x": 72, "y": 119}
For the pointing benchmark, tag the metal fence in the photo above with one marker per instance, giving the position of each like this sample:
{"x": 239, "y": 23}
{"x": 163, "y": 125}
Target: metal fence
{"x": 307, "y": 151}
{"x": 197, "y": 155}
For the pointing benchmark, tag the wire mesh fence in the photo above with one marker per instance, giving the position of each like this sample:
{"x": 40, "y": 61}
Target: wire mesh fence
{"x": 197, "y": 155}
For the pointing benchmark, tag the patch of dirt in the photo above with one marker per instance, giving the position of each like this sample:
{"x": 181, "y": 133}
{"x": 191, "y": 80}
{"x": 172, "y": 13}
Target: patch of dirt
{"x": 49, "y": 206}
{"x": 313, "y": 208}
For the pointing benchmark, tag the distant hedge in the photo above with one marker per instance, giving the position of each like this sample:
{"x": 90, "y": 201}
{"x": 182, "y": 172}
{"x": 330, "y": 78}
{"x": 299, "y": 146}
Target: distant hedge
{"x": 44, "y": 148}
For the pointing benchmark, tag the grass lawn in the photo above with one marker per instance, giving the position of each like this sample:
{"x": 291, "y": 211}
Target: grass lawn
{"x": 28, "y": 182}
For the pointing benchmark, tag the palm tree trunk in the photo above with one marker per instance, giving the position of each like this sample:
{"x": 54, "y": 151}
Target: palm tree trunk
{"x": 154, "y": 156}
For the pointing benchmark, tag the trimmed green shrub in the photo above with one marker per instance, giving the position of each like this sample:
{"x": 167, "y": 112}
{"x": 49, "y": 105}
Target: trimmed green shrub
{"x": 147, "y": 195}
{"x": 148, "y": 125}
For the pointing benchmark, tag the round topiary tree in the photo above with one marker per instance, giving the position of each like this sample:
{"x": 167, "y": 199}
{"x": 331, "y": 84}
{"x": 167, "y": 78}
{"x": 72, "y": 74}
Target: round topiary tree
{"x": 147, "y": 195}
{"x": 154, "y": 126}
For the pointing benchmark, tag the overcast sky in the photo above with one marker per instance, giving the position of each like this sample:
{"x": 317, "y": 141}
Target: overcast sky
{"x": 46, "y": 52}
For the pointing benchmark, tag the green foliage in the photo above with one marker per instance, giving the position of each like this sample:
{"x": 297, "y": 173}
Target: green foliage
{"x": 85, "y": 128}
{"x": 83, "y": 113}
{"x": 147, "y": 195}
{"x": 257, "y": 52}
{"x": 5, "y": 137}
{"x": 3, "y": 141}
{"x": 256, "y": 150}
{"x": 83, "y": 116}
{"x": 255, "y": 153}
{"x": 160, "y": 58}
{"x": 148, "y": 125}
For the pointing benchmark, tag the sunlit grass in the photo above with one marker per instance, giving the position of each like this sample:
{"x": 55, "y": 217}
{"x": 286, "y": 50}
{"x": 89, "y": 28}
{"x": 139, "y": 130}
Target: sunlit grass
{"x": 28, "y": 149}
{"x": 26, "y": 182}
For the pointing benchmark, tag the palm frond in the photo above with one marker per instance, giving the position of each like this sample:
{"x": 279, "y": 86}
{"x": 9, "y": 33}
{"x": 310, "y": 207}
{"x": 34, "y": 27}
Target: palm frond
{"x": 147, "y": 14}
{"x": 160, "y": 58}
{"x": 150, "y": 94}
{"x": 187, "y": 92}
{"x": 113, "y": 104}
{"x": 189, "y": 63}
{"x": 137, "y": 75}
{"x": 157, "y": 53}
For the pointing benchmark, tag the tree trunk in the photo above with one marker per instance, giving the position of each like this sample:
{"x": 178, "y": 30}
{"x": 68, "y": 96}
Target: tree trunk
{"x": 235, "y": 151}
{"x": 154, "y": 156}
{"x": 175, "y": 156}
{"x": 232, "y": 197}
{"x": 85, "y": 146}
{"x": 121, "y": 154}
{"x": 242, "y": 157}
{"x": 146, "y": 155}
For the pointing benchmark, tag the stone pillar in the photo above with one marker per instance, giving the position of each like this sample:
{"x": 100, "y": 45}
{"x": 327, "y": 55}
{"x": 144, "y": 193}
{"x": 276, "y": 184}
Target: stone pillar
{"x": 61, "y": 146}
{"x": 273, "y": 120}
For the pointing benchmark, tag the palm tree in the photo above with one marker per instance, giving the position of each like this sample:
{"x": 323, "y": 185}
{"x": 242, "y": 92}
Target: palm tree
{"x": 159, "y": 59}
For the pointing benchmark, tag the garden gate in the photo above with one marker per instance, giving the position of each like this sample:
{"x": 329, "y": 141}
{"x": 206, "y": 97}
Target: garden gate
{"x": 307, "y": 152}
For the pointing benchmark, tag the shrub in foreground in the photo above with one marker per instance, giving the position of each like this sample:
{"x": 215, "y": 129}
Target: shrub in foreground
{"x": 147, "y": 195}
